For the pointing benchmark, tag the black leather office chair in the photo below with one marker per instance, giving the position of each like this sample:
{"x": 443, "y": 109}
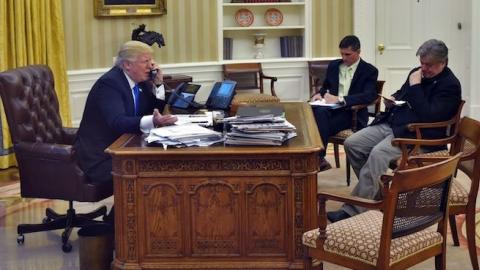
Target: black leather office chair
{"x": 44, "y": 152}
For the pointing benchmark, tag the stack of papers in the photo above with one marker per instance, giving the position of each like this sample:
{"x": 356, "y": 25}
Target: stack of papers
{"x": 259, "y": 130}
{"x": 184, "y": 135}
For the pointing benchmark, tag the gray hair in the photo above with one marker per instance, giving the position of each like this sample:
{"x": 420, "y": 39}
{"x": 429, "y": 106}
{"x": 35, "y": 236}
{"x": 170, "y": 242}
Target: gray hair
{"x": 435, "y": 49}
{"x": 130, "y": 50}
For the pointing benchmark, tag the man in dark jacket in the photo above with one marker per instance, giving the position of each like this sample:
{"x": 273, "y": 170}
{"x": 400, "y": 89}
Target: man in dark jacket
{"x": 349, "y": 81}
{"x": 431, "y": 93}
{"x": 126, "y": 99}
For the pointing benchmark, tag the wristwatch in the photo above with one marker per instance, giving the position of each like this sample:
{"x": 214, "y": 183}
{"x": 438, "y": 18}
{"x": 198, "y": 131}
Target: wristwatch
{"x": 341, "y": 100}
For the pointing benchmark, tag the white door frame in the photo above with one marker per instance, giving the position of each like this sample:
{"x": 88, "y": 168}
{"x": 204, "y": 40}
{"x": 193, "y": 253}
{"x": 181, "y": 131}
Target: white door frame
{"x": 364, "y": 28}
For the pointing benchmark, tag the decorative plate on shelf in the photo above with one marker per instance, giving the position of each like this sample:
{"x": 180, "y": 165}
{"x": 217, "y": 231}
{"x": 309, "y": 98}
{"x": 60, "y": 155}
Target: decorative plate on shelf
{"x": 244, "y": 17}
{"x": 273, "y": 17}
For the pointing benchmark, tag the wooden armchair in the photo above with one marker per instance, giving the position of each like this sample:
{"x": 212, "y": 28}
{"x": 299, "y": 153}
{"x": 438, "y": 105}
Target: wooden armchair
{"x": 317, "y": 71}
{"x": 249, "y": 78}
{"x": 462, "y": 200}
{"x": 340, "y": 137}
{"x": 396, "y": 237}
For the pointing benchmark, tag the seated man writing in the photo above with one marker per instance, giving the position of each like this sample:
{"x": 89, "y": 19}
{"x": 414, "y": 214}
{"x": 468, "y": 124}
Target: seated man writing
{"x": 431, "y": 93}
{"x": 349, "y": 81}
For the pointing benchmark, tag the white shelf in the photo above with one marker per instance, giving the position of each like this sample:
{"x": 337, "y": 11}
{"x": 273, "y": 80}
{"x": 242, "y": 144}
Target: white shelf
{"x": 240, "y": 28}
{"x": 263, "y": 4}
{"x": 296, "y": 22}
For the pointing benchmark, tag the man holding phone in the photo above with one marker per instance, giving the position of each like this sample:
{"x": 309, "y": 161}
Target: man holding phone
{"x": 126, "y": 99}
{"x": 431, "y": 93}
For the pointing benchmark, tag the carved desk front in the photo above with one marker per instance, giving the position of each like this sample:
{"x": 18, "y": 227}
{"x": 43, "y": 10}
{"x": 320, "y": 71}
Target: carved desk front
{"x": 216, "y": 207}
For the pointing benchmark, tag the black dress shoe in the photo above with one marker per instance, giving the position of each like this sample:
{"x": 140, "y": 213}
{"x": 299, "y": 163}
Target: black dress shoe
{"x": 338, "y": 215}
{"x": 324, "y": 165}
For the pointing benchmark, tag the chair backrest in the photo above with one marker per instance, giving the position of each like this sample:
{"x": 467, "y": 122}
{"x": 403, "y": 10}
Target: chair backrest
{"x": 374, "y": 109}
{"x": 418, "y": 198}
{"x": 317, "y": 71}
{"x": 31, "y": 105}
{"x": 248, "y": 75}
{"x": 43, "y": 148}
{"x": 468, "y": 142}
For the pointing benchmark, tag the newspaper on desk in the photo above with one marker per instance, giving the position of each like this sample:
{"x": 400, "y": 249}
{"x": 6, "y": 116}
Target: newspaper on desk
{"x": 259, "y": 130}
{"x": 204, "y": 119}
{"x": 189, "y": 134}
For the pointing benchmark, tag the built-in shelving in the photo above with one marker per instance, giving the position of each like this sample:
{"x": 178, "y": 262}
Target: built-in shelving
{"x": 295, "y": 23}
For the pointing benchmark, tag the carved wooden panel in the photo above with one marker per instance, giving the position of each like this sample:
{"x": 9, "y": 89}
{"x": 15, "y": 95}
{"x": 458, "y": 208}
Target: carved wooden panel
{"x": 215, "y": 218}
{"x": 213, "y": 165}
{"x": 267, "y": 219}
{"x": 131, "y": 219}
{"x": 163, "y": 219}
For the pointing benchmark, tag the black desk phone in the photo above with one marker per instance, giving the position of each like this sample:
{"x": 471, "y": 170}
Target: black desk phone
{"x": 182, "y": 96}
{"x": 221, "y": 95}
{"x": 219, "y": 99}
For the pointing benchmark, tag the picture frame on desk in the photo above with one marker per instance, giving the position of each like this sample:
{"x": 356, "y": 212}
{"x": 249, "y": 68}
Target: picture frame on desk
{"x": 118, "y": 8}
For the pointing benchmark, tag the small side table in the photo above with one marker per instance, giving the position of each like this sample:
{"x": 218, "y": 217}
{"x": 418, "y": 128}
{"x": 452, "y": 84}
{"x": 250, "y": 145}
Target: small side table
{"x": 172, "y": 80}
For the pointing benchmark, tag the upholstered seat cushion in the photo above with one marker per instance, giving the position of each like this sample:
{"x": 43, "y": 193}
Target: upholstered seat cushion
{"x": 458, "y": 194}
{"x": 344, "y": 134}
{"x": 359, "y": 238}
{"x": 252, "y": 98}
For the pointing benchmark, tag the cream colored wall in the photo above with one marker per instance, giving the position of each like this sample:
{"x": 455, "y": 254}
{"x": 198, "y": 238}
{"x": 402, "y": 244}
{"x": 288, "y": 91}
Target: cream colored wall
{"x": 332, "y": 20}
{"x": 189, "y": 30}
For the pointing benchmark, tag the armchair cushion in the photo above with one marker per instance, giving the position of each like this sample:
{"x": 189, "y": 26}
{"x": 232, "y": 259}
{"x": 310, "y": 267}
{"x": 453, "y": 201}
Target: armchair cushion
{"x": 358, "y": 238}
{"x": 343, "y": 134}
{"x": 458, "y": 194}
{"x": 253, "y": 98}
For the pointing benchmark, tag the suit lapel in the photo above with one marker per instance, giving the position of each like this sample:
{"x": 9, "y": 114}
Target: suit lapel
{"x": 127, "y": 91}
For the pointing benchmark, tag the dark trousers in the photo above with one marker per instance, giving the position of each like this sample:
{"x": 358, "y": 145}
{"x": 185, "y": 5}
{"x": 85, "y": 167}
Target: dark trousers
{"x": 330, "y": 122}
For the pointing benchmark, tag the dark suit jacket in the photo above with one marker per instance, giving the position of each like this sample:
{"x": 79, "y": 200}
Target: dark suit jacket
{"x": 109, "y": 113}
{"x": 362, "y": 88}
{"x": 433, "y": 100}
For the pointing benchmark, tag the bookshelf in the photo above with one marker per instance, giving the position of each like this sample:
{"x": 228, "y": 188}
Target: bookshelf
{"x": 242, "y": 38}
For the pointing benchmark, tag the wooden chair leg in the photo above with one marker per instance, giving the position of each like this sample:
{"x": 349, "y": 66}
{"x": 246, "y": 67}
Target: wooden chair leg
{"x": 472, "y": 249}
{"x": 337, "y": 155}
{"x": 440, "y": 261}
{"x": 347, "y": 166}
{"x": 453, "y": 229}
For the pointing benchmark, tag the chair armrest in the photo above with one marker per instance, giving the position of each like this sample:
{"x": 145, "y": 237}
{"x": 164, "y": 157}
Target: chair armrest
{"x": 417, "y": 127}
{"x": 358, "y": 107}
{"x": 69, "y": 135}
{"x": 272, "y": 82}
{"x": 367, "y": 203}
{"x": 412, "y": 146}
{"x": 44, "y": 151}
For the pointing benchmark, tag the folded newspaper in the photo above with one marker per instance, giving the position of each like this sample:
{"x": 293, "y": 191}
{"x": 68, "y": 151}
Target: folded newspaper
{"x": 259, "y": 130}
{"x": 184, "y": 135}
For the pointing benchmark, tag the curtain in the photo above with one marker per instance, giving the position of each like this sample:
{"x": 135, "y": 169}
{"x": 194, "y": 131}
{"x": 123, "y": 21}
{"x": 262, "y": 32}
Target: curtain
{"x": 31, "y": 32}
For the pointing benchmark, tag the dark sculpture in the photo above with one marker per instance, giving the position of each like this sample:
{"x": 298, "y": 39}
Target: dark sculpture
{"x": 148, "y": 37}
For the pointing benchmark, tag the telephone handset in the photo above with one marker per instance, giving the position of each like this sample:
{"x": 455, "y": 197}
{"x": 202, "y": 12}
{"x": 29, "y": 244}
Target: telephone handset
{"x": 221, "y": 95}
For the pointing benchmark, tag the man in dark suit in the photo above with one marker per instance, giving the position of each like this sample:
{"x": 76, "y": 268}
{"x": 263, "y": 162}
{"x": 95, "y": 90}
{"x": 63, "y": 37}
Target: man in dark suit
{"x": 126, "y": 99}
{"x": 431, "y": 93}
{"x": 349, "y": 81}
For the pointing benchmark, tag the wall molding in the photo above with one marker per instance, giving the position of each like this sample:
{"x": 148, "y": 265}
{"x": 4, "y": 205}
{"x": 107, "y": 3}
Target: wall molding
{"x": 292, "y": 84}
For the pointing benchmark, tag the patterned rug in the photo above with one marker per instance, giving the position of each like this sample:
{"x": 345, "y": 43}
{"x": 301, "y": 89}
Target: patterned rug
{"x": 461, "y": 225}
{"x": 11, "y": 201}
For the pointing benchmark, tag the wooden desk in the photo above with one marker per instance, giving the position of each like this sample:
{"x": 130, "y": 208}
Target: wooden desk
{"x": 216, "y": 207}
